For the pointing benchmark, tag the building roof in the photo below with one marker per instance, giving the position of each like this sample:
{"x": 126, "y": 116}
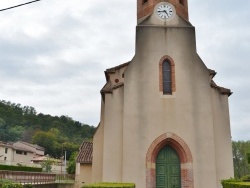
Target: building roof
{"x": 212, "y": 72}
{"x": 113, "y": 69}
{"x": 222, "y": 90}
{"x": 24, "y": 147}
{"x": 6, "y": 144}
{"x": 85, "y": 153}
{"x": 32, "y": 145}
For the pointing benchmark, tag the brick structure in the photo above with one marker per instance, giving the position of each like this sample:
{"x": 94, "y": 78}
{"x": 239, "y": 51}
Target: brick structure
{"x": 185, "y": 157}
{"x": 171, "y": 61}
{"x": 145, "y": 9}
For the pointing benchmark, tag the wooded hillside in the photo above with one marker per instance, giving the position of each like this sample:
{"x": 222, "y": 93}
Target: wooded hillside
{"x": 56, "y": 134}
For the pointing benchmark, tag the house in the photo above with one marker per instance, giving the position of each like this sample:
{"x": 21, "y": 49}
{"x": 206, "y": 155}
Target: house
{"x": 19, "y": 152}
{"x": 164, "y": 121}
{"x": 84, "y": 163}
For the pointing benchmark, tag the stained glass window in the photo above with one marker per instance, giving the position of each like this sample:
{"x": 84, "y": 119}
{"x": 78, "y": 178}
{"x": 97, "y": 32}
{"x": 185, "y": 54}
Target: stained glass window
{"x": 166, "y": 73}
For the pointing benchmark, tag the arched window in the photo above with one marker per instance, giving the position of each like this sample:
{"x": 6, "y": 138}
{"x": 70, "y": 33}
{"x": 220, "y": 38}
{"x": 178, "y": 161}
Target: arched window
{"x": 166, "y": 77}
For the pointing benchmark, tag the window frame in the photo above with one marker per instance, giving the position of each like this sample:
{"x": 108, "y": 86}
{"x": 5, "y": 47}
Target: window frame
{"x": 19, "y": 152}
{"x": 172, "y": 72}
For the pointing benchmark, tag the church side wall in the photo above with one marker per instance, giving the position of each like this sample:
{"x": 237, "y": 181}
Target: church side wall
{"x": 223, "y": 143}
{"x": 97, "y": 163}
{"x": 187, "y": 113}
{"x": 112, "y": 157}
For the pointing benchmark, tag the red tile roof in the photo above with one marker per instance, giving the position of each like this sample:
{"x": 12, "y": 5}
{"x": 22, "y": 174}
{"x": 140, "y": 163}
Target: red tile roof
{"x": 85, "y": 153}
{"x": 222, "y": 90}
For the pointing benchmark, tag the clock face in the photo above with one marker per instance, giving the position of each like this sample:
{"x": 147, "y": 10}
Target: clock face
{"x": 164, "y": 11}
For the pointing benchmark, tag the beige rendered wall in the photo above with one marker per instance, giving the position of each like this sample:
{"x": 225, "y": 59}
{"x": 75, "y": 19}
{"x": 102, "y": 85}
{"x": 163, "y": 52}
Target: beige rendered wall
{"x": 21, "y": 158}
{"x": 146, "y": 113}
{"x": 187, "y": 113}
{"x": 222, "y": 137}
{"x": 8, "y": 156}
{"x": 97, "y": 163}
{"x": 83, "y": 174}
{"x": 112, "y": 156}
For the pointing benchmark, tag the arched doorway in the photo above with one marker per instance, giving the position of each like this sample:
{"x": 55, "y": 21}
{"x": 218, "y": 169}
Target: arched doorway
{"x": 168, "y": 168}
{"x": 180, "y": 149}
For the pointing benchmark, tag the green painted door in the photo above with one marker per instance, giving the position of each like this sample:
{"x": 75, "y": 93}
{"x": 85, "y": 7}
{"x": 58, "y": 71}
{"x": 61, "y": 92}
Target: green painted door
{"x": 168, "y": 169}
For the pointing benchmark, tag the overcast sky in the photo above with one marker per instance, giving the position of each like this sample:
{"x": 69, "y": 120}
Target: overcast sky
{"x": 53, "y": 53}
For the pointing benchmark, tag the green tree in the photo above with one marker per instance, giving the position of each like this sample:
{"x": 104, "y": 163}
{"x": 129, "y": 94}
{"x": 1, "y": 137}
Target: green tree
{"x": 71, "y": 167}
{"x": 240, "y": 159}
{"x": 46, "y": 140}
{"x": 2, "y": 123}
{"x": 47, "y": 165}
{"x": 16, "y": 133}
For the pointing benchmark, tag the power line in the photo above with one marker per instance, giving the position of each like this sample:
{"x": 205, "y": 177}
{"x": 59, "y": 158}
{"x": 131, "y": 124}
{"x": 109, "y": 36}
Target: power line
{"x": 19, "y": 5}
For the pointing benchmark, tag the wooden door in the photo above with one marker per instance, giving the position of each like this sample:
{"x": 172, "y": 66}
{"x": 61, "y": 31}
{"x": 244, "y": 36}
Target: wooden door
{"x": 168, "y": 169}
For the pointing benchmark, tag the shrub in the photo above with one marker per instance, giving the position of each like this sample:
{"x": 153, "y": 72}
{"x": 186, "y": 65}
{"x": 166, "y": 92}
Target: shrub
{"x": 110, "y": 185}
{"x": 9, "y": 184}
{"x": 245, "y": 178}
{"x": 234, "y": 183}
{"x": 20, "y": 168}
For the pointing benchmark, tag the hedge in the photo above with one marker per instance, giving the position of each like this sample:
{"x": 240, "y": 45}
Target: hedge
{"x": 234, "y": 183}
{"x": 110, "y": 185}
{"x": 20, "y": 168}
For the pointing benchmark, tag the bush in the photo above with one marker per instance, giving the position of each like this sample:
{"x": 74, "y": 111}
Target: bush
{"x": 9, "y": 184}
{"x": 20, "y": 168}
{"x": 110, "y": 185}
{"x": 245, "y": 178}
{"x": 234, "y": 183}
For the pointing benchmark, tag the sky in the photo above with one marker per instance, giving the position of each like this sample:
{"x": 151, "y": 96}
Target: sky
{"x": 53, "y": 53}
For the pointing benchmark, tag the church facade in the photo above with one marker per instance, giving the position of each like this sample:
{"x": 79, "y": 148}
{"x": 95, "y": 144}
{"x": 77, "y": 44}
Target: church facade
{"x": 164, "y": 121}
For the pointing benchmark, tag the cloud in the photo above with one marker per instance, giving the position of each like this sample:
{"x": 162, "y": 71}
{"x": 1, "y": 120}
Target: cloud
{"x": 53, "y": 53}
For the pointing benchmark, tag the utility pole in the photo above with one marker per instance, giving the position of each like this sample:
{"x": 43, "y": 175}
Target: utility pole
{"x": 65, "y": 163}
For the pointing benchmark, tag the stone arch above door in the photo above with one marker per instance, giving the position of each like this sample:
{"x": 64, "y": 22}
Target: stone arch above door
{"x": 184, "y": 153}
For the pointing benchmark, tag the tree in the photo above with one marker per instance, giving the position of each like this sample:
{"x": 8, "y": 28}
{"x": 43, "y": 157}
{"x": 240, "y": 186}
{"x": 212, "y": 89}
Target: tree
{"x": 15, "y": 133}
{"x": 71, "y": 168}
{"x": 2, "y": 123}
{"x": 240, "y": 159}
{"x": 46, "y": 140}
{"x": 47, "y": 165}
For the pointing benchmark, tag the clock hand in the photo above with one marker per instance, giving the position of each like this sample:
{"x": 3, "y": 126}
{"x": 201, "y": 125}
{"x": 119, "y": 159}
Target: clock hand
{"x": 166, "y": 12}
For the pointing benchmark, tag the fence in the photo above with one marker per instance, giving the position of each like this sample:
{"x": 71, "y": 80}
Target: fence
{"x": 36, "y": 178}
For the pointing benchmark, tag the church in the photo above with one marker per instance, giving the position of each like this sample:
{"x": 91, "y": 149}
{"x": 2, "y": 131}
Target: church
{"x": 164, "y": 121}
